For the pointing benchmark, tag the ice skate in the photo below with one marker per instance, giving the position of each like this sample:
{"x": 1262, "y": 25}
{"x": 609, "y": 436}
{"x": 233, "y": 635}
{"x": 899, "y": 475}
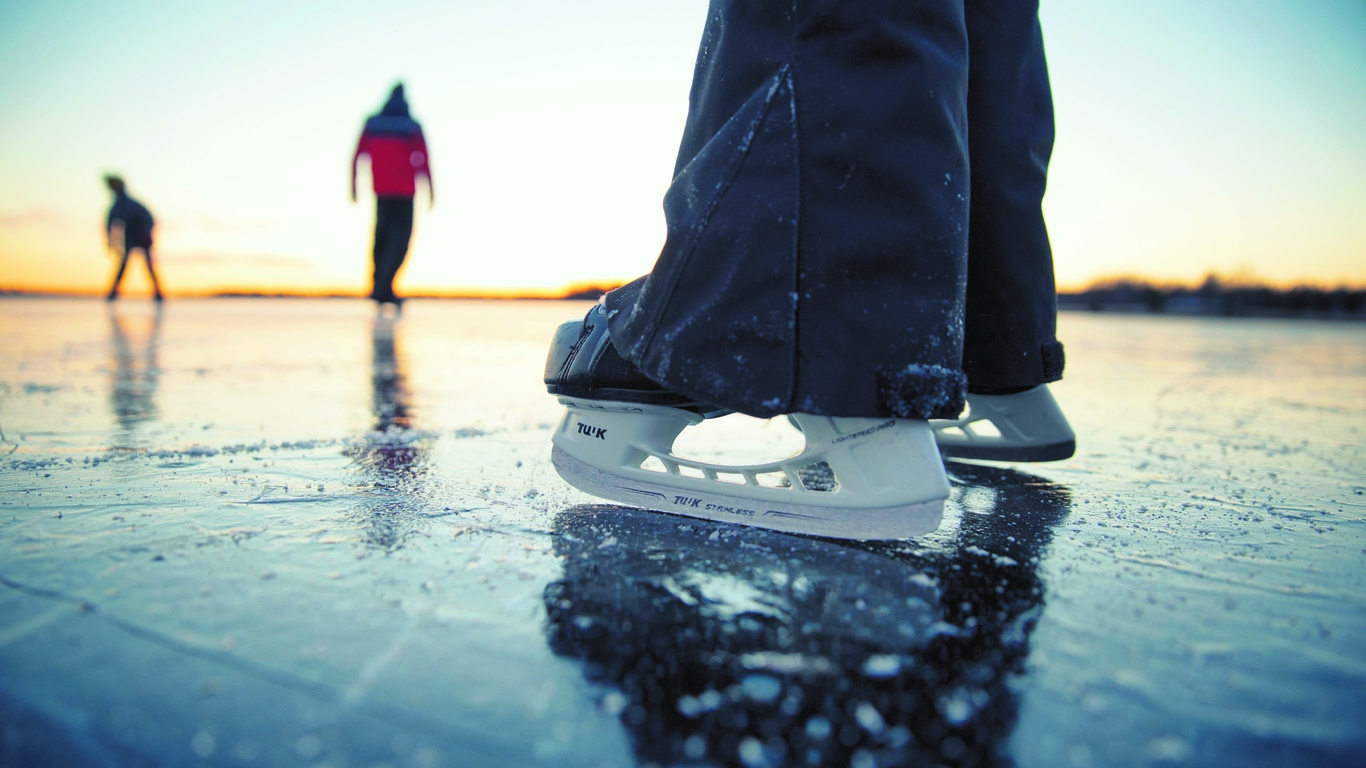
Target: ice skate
{"x": 1023, "y": 426}
{"x": 856, "y": 478}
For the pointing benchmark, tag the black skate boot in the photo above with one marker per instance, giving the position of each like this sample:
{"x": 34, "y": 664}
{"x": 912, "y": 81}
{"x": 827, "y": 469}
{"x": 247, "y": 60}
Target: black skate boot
{"x": 583, "y": 364}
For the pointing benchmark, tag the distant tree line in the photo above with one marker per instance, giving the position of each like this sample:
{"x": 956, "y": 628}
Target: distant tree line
{"x": 591, "y": 292}
{"x": 1217, "y": 297}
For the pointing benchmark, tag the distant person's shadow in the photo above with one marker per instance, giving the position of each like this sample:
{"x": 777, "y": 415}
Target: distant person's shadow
{"x": 721, "y": 645}
{"x": 137, "y": 372}
{"x": 394, "y": 456}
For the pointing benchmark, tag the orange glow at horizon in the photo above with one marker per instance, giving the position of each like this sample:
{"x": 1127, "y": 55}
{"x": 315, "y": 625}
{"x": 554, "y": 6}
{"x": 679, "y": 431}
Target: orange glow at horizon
{"x": 33, "y": 260}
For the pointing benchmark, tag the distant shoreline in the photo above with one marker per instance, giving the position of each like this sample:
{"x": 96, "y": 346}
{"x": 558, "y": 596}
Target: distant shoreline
{"x": 1216, "y": 299}
{"x": 1072, "y": 304}
{"x": 1132, "y": 297}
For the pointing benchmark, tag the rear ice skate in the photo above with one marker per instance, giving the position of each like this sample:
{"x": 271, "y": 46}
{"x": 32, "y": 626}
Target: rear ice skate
{"x": 1024, "y": 426}
{"x": 856, "y": 478}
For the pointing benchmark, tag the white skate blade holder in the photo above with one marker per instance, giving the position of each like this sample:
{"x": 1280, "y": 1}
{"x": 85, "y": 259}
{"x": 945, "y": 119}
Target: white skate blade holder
{"x": 1024, "y": 426}
{"x": 855, "y": 479}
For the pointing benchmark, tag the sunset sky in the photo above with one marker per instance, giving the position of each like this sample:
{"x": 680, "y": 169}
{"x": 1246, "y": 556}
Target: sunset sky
{"x": 1219, "y": 135}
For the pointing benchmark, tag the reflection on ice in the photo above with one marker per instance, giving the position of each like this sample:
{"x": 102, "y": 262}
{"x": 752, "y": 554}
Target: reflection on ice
{"x": 134, "y": 378}
{"x": 744, "y": 647}
{"x": 394, "y": 456}
{"x": 391, "y": 398}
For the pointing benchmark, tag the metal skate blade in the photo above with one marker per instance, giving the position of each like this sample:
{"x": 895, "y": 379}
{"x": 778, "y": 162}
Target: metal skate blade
{"x": 709, "y": 501}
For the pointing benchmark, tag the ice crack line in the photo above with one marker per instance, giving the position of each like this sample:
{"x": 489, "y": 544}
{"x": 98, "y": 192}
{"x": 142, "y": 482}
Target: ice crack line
{"x": 4, "y": 440}
{"x": 465, "y": 737}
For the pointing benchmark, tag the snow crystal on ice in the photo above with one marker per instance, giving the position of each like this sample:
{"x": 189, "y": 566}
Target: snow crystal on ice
{"x": 882, "y": 665}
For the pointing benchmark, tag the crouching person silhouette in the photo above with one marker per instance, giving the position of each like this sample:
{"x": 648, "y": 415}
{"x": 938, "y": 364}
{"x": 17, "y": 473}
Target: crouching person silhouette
{"x": 129, "y": 228}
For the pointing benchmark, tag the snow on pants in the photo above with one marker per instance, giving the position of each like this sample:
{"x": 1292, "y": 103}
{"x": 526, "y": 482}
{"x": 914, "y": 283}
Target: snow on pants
{"x": 393, "y": 233}
{"x": 854, "y": 224}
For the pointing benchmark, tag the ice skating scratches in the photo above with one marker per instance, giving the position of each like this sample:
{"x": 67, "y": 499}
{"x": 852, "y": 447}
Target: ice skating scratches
{"x": 855, "y": 478}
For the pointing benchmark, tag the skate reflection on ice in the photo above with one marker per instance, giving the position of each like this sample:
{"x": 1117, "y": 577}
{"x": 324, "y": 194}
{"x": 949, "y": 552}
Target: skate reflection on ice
{"x": 737, "y": 646}
{"x": 394, "y": 456}
{"x": 133, "y": 382}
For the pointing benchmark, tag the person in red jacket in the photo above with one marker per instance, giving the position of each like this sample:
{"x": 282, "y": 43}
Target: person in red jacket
{"x": 393, "y": 141}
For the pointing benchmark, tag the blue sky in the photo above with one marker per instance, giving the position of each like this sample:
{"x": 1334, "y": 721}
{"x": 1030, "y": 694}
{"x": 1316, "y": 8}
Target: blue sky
{"x": 1192, "y": 136}
{"x": 1209, "y": 135}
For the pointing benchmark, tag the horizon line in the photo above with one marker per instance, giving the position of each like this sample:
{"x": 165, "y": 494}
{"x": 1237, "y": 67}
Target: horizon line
{"x": 573, "y": 293}
{"x": 593, "y": 290}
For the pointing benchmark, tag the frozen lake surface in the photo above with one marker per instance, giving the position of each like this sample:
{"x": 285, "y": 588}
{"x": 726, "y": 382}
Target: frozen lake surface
{"x": 287, "y": 532}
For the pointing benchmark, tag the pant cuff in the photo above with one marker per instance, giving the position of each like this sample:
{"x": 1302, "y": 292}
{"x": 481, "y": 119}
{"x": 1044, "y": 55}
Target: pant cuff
{"x": 1054, "y": 360}
{"x": 921, "y": 392}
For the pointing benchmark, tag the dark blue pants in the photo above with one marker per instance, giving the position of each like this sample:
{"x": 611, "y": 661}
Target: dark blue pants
{"x": 854, "y": 227}
{"x": 393, "y": 232}
{"x": 139, "y": 241}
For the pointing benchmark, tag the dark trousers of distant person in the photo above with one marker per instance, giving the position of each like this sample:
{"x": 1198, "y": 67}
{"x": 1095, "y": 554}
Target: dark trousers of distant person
{"x": 393, "y": 233}
{"x": 146, "y": 247}
{"x": 854, "y": 224}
